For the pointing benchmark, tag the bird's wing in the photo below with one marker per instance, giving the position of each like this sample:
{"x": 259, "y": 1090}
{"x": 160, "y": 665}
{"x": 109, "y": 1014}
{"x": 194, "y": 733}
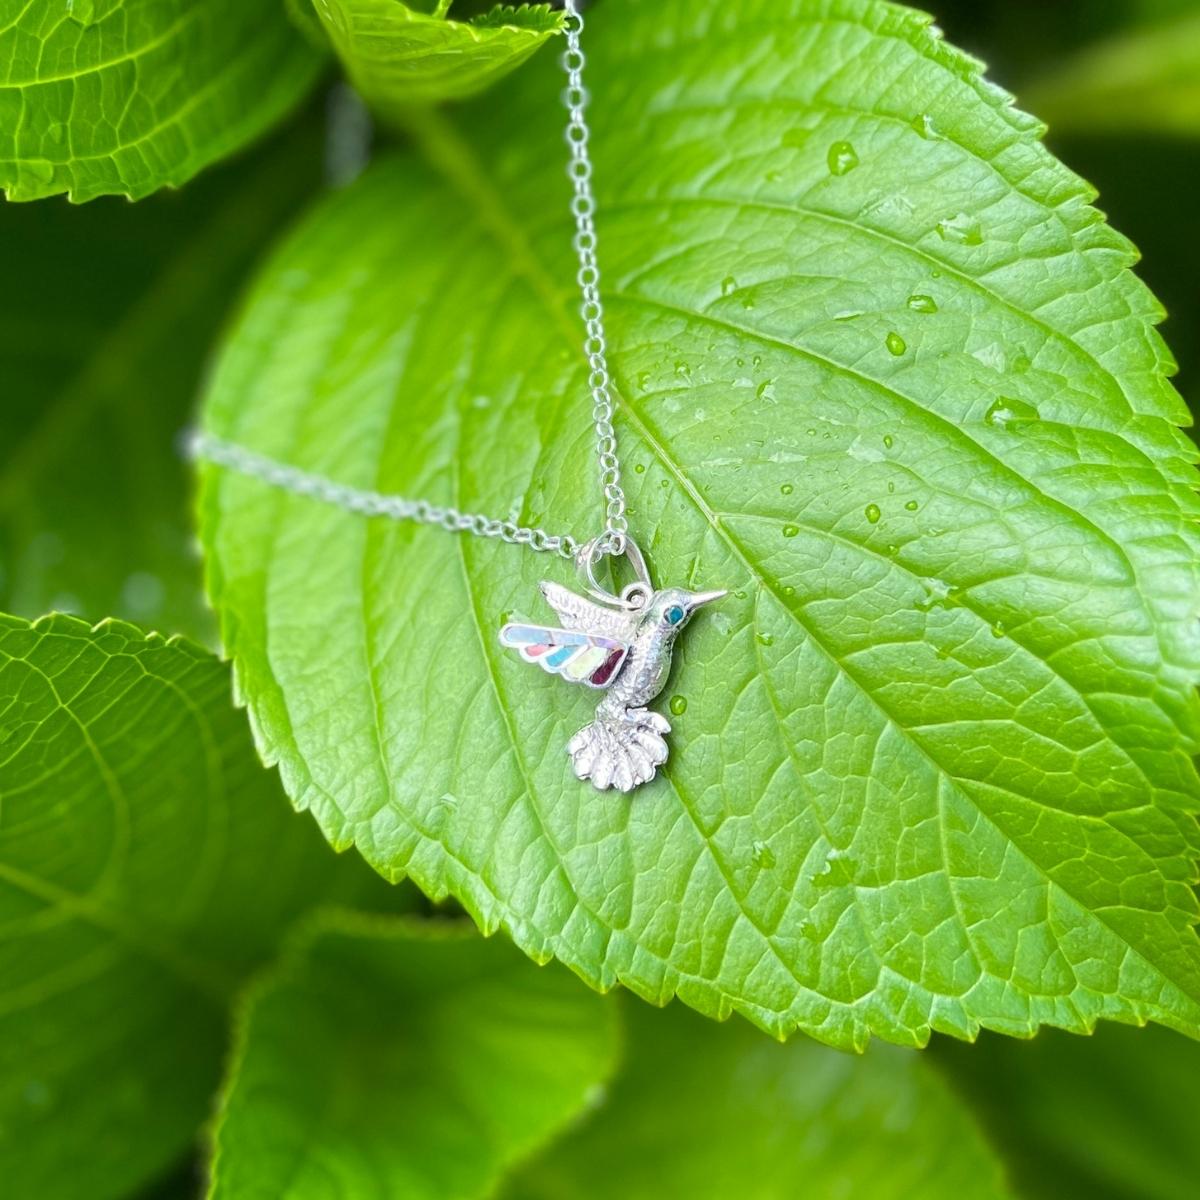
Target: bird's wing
{"x": 586, "y": 616}
{"x": 589, "y": 659}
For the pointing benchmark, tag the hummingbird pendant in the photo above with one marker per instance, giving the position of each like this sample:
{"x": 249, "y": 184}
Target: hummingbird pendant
{"x": 622, "y": 645}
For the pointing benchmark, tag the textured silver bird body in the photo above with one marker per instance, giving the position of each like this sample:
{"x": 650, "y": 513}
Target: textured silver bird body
{"x": 626, "y": 650}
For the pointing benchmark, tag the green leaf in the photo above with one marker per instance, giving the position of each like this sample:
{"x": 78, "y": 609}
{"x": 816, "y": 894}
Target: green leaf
{"x": 147, "y": 864}
{"x": 1108, "y": 1117}
{"x": 1141, "y": 80}
{"x": 932, "y": 758}
{"x": 403, "y": 1058}
{"x": 703, "y": 1110}
{"x": 123, "y": 97}
{"x": 397, "y": 55}
{"x": 108, "y": 321}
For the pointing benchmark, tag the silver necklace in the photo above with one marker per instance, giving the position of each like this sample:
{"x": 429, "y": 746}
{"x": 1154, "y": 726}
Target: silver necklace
{"x": 620, "y": 643}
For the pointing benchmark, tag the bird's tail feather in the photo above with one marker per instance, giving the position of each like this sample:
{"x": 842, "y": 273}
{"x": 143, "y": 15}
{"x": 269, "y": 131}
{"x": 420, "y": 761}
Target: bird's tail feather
{"x": 620, "y": 752}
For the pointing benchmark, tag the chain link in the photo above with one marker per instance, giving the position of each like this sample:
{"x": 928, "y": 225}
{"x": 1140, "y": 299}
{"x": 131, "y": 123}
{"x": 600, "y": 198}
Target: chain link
{"x": 583, "y": 208}
{"x": 209, "y": 448}
{"x": 372, "y": 504}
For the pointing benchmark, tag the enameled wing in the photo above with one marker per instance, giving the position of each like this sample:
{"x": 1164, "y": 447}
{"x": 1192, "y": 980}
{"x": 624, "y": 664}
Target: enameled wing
{"x": 586, "y": 616}
{"x": 586, "y": 658}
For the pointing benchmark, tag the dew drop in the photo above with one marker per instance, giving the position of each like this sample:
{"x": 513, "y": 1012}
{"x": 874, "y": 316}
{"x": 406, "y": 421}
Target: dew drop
{"x": 1005, "y": 409}
{"x": 643, "y": 381}
{"x": 998, "y": 630}
{"x": 756, "y": 361}
{"x": 678, "y": 705}
{"x": 740, "y": 594}
{"x": 41, "y": 169}
{"x": 891, "y": 487}
{"x": 924, "y": 125}
{"x": 888, "y": 441}
{"x": 838, "y": 870}
{"x": 896, "y": 344}
{"x": 922, "y": 304}
{"x": 788, "y": 590}
{"x": 766, "y": 392}
{"x": 841, "y": 158}
{"x": 961, "y": 229}
{"x": 82, "y": 12}
{"x": 790, "y": 531}
{"x": 872, "y": 513}
{"x": 766, "y": 639}
{"x": 682, "y": 369}
{"x": 787, "y": 488}
{"x": 728, "y": 285}
{"x": 937, "y": 594}
{"x": 639, "y": 469}
{"x": 911, "y": 505}
{"x": 664, "y": 483}
{"x": 764, "y": 856}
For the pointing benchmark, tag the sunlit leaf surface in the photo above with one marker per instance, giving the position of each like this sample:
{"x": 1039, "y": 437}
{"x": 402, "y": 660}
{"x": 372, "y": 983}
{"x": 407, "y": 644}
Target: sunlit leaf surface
{"x": 881, "y": 371}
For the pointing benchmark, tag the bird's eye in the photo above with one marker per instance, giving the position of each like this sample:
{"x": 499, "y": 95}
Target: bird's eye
{"x": 674, "y": 614}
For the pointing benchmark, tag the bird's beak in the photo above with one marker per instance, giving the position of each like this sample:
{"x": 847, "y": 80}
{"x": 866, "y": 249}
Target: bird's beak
{"x": 699, "y": 598}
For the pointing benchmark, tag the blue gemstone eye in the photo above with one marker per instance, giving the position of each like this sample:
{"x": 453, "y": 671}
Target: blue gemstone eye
{"x": 674, "y": 614}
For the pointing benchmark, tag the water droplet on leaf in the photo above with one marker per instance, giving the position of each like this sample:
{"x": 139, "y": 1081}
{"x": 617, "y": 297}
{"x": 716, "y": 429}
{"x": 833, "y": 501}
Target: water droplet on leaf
{"x": 1006, "y": 409}
{"x": 924, "y": 125}
{"x": 41, "y": 169}
{"x": 922, "y": 304}
{"x": 841, "y": 158}
{"x": 766, "y": 391}
{"x": 82, "y": 12}
{"x": 678, "y": 705}
{"x": 787, "y": 488}
{"x": 790, "y": 531}
{"x": 766, "y": 639}
{"x": 961, "y": 229}
{"x": 728, "y": 285}
{"x": 911, "y": 505}
{"x": 764, "y": 856}
{"x": 896, "y": 344}
{"x": 872, "y": 513}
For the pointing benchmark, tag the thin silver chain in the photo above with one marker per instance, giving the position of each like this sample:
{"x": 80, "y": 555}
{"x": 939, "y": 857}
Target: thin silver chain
{"x": 213, "y": 449}
{"x": 583, "y": 208}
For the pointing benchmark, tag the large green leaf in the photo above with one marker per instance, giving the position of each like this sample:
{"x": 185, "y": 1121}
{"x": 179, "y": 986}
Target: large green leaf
{"x": 103, "y": 97}
{"x": 881, "y": 370}
{"x": 702, "y": 1110}
{"x": 147, "y": 863}
{"x": 398, "y": 54}
{"x": 107, "y": 322}
{"x": 1109, "y": 1117}
{"x": 403, "y": 1058}
{"x": 1145, "y": 79}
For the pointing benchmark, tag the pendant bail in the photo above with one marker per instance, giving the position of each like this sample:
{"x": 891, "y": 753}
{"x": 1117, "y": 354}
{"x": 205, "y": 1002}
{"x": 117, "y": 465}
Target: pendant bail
{"x": 634, "y": 595}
